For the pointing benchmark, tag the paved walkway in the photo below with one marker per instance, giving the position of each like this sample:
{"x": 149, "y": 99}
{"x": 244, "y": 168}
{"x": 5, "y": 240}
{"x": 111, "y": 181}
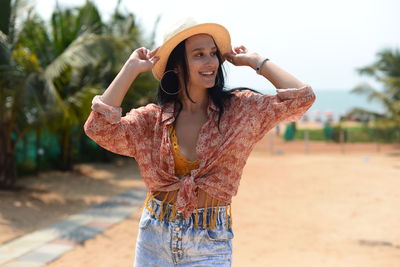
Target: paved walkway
{"x": 43, "y": 246}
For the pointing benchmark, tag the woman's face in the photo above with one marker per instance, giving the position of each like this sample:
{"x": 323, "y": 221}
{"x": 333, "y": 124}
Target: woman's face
{"x": 202, "y": 60}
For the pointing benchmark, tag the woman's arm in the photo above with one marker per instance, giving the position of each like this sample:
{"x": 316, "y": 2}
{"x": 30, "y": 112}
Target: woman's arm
{"x": 141, "y": 60}
{"x": 292, "y": 99}
{"x": 277, "y": 76}
{"x": 106, "y": 126}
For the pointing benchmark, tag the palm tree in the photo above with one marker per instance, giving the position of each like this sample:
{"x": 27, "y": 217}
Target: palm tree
{"x": 123, "y": 27}
{"x": 48, "y": 77}
{"x": 19, "y": 74}
{"x": 386, "y": 70}
{"x": 84, "y": 54}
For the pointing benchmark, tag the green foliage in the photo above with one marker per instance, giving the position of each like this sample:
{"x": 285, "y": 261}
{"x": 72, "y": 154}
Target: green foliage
{"x": 26, "y": 168}
{"x": 5, "y": 13}
{"x": 313, "y": 134}
{"x": 36, "y": 153}
{"x": 353, "y": 134}
{"x": 49, "y": 74}
{"x": 385, "y": 70}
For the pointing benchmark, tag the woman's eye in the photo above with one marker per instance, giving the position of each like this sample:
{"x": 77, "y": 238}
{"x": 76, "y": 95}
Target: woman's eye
{"x": 202, "y": 54}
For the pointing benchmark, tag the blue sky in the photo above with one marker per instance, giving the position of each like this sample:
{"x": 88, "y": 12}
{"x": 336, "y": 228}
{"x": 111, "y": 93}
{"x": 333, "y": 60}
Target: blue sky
{"x": 320, "y": 42}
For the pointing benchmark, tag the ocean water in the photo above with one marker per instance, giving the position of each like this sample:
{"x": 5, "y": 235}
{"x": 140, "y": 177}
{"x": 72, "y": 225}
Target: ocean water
{"x": 337, "y": 102}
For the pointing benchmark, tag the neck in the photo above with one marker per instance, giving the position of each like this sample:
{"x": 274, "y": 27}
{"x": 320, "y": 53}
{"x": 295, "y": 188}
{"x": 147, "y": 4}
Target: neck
{"x": 199, "y": 96}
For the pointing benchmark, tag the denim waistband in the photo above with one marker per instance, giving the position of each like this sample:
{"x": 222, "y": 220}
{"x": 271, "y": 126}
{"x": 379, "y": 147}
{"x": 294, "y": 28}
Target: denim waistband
{"x": 205, "y": 218}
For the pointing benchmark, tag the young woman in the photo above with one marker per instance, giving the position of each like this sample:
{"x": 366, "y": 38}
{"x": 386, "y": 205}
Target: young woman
{"x": 192, "y": 145}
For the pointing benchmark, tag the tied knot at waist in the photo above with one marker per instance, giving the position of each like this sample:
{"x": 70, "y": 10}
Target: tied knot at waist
{"x": 187, "y": 198}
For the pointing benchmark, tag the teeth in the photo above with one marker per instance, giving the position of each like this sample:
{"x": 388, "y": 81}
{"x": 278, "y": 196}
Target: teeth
{"x": 207, "y": 73}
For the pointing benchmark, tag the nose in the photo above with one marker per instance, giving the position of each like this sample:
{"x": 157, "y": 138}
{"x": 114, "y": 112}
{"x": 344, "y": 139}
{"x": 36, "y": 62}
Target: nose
{"x": 212, "y": 60}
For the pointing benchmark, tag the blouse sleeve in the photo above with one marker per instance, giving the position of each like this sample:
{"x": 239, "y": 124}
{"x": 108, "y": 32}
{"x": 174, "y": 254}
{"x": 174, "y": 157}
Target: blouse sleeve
{"x": 266, "y": 111}
{"x": 106, "y": 126}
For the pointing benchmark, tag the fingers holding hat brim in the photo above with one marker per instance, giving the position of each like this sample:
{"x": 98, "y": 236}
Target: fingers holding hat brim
{"x": 240, "y": 49}
{"x": 229, "y": 56}
{"x": 237, "y": 55}
{"x": 152, "y": 56}
{"x": 153, "y": 52}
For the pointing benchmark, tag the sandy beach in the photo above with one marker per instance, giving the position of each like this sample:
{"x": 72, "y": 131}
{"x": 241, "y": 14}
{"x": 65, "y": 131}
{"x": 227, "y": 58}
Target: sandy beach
{"x": 315, "y": 204}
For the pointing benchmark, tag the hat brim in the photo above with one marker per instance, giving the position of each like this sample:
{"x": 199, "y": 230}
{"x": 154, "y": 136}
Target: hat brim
{"x": 219, "y": 33}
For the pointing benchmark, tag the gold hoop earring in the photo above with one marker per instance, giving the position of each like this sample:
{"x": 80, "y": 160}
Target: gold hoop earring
{"x": 168, "y": 93}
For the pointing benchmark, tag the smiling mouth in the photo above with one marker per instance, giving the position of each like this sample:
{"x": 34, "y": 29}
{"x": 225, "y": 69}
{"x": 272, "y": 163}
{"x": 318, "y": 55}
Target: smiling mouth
{"x": 207, "y": 73}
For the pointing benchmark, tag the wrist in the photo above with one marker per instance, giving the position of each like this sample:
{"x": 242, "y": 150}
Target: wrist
{"x": 133, "y": 67}
{"x": 260, "y": 65}
{"x": 253, "y": 61}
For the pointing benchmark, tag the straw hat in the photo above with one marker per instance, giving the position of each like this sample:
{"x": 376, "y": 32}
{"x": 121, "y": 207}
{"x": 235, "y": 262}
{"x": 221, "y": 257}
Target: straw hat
{"x": 183, "y": 30}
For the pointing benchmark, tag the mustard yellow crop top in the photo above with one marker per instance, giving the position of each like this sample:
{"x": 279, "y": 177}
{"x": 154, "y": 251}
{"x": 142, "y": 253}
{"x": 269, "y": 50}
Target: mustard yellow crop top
{"x": 184, "y": 166}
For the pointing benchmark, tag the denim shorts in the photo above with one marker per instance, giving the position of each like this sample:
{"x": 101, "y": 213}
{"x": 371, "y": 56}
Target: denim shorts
{"x": 176, "y": 242}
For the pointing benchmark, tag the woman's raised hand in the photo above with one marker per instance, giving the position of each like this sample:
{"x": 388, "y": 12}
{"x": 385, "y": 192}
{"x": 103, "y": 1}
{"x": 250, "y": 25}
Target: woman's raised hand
{"x": 143, "y": 59}
{"x": 240, "y": 56}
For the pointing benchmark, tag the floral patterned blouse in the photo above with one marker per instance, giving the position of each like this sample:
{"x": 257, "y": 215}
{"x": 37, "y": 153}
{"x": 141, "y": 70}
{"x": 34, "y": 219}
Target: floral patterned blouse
{"x": 144, "y": 134}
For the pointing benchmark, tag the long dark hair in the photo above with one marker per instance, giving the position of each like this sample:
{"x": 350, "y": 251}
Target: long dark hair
{"x": 170, "y": 82}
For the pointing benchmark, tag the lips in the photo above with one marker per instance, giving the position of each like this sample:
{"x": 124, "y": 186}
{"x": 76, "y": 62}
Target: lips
{"x": 207, "y": 73}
